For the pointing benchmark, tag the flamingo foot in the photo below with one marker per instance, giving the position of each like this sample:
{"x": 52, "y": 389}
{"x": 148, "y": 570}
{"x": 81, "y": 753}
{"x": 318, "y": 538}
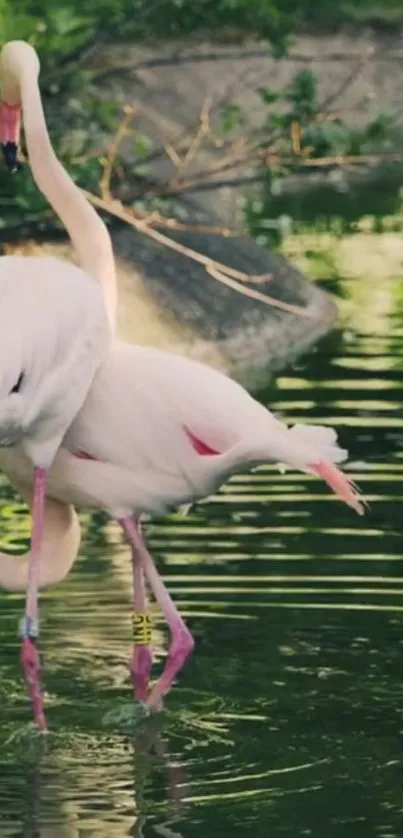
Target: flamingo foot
{"x": 32, "y": 669}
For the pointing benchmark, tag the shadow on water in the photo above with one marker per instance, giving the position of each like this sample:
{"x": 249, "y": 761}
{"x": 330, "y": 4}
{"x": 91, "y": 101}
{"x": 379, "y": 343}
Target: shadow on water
{"x": 289, "y": 718}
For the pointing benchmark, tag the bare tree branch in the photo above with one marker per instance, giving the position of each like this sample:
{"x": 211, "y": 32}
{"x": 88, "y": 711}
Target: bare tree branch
{"x": 222, "y": 273}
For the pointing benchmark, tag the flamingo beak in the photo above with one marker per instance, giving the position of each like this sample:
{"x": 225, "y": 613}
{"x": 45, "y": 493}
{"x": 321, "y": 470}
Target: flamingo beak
{"x": 341, "y": 485}
{"x": 10, "y": 151}
{"x": 10, "y": 120}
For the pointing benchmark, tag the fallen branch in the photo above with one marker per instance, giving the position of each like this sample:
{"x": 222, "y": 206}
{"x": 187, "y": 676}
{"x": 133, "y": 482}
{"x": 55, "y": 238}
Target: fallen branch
{"x": 222, "y": 273}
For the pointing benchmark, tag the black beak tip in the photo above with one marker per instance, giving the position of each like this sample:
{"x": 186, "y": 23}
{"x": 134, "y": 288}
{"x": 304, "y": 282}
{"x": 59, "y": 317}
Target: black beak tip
{"x": 10, "y": 152}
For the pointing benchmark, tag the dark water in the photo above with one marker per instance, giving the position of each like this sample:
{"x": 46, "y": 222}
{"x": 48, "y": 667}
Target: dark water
{"x": 288, "y": 721}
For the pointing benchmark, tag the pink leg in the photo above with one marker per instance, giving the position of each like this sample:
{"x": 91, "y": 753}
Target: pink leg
{"x": 182, "y": 643}
{"x": 141, "y": 660}
{"x": 29, "y": 628}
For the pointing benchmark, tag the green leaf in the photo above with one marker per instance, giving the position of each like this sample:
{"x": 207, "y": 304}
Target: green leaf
{"x": 302, "y": 94}
{"x": 142, "y": 145}
{"x": 278, "y": 120}
{"x": 64, "y": 22}
{"x": 232, "y": 116}
{"x": 268, "y": 95}
{"x": 377, "y": 129}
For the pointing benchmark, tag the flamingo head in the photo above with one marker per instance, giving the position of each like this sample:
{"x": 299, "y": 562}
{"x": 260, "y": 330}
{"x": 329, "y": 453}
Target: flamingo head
{"x": 18, "y": 63}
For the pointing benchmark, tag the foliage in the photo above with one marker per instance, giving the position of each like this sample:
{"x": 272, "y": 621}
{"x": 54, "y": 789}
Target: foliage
{"x": 318, "y": 13}
{"x": 304, "y": 136}
{"x": 59, "y": 29}
{"x": 296, "y": 130}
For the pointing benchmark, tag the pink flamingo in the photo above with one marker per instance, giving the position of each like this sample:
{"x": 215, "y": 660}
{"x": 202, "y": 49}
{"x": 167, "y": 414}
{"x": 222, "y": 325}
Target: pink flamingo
{"x": 53, "y": 321}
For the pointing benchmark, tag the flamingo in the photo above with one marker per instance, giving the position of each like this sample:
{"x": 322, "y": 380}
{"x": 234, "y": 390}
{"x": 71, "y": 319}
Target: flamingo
{"x": 156, "y": 431}
{"x": 54, "y": 324}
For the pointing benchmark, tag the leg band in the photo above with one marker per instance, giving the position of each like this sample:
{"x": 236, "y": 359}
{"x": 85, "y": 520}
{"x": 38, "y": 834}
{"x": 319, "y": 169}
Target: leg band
{"x": 28, "y": 628}
{"x": 142, "y": 629}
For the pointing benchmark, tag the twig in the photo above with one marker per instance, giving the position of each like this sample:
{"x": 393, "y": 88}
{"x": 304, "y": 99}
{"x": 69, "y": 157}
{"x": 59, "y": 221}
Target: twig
{"x": 348, "y": 81}
{"x": 173, "y": 155}
{"x": 255, "y": 295}
{"x": 343, "y": 160}
{"x": 222, "y": 273}
{"x": 120, "y": 133}
{"x": 296, "y": 137}
{"x": 173, "y": 224}
{"x": 230, "y": 161}
{"x": 202, "y": 130}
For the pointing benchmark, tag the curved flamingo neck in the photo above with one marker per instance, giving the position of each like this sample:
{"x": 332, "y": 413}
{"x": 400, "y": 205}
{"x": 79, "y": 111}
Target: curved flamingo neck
{"x": 19, "y": 68}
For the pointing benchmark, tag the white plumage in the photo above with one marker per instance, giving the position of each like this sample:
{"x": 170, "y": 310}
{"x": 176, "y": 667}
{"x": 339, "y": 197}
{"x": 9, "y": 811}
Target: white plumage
{"x": 53, "y": 335}
{"x": 135, "y": 423}
{"x": 55, "y": 324}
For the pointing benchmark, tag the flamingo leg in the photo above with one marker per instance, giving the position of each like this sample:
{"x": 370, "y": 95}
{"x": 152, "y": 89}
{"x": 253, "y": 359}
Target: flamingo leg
{"x": 141, "y": 659}
{"x": 182, "y": 643}
{"x": 29, "y": 626}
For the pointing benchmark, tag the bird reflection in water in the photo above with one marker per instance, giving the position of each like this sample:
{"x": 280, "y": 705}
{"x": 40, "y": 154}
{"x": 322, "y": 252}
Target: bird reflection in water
{"x": 149, "y": 752}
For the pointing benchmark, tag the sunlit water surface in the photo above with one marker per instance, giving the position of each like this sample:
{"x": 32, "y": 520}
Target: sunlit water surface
{"x": 288, "y": 720}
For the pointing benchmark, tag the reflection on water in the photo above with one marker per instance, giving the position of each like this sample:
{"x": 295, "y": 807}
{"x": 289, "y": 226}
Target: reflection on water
{"x": 288, "y": 720}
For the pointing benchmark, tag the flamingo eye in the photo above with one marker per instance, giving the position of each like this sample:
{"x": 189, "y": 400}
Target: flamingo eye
{"x": 17, "y": 385}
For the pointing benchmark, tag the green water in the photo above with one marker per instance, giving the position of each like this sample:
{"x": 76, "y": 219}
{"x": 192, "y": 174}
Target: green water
{"x": 288, "y": 720}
